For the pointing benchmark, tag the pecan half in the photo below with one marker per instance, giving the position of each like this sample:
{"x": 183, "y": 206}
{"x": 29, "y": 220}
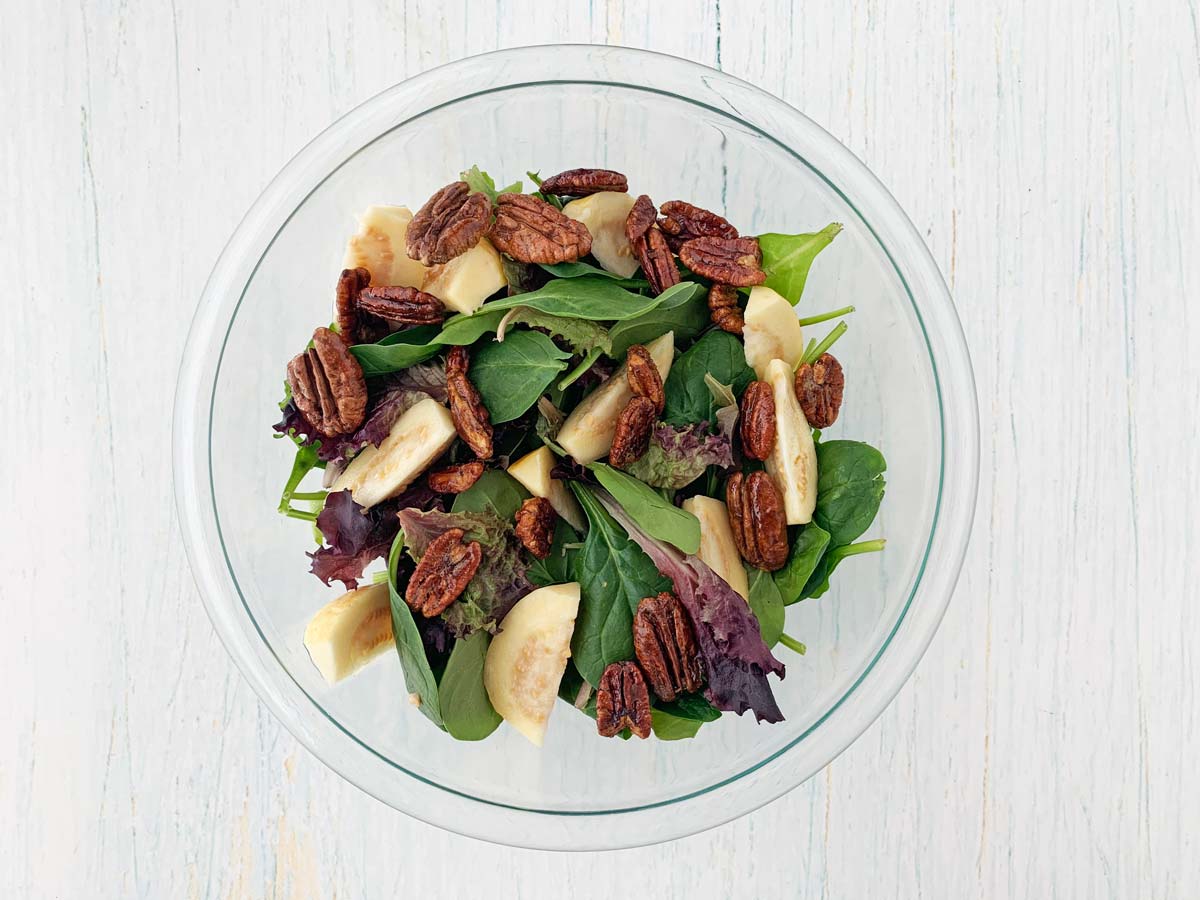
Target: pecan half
{"x": 641, "y": 216}
{"x": 455, "y": 479}
{"x": 756, "y": 423}
{"x": 736, "y": 261}
{"x": 657, "y": 261}
{"x": 622, "y": 701}
{"x": 723, "y": 308}
{"x": 665, "y": 646}
{"x": 631, "y": 439}
{"x": 681, "y": 222}
{"x": 643, "y": 377}
{"x": 757, "y": 520}
{"x": 530, "y": 230}
{"x": 819, "y": 388}
{"x": 443, "y": 573}
{"x": 581, "y": 182}
{"x": 471, "y": 419}
{"x": 535, "y": 526}
{"x": 401, "y": 305}
{"x": 449, "y": 224}
{"x": 327, "y": 384}
{"x": 350, "y": 284}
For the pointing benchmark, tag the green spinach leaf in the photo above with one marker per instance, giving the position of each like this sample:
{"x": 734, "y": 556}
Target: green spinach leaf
{"x": 850, "y": 487}
{"x": 557, "y": 567}
{"x": 685, "y": 313}
{"x": 495, "y": 492}
{"x": 689, "y": 399}
{"x": 805, "y": 554}
{"x": 467, "y": 712}
{"x": 681, "y": 718}
{"x": 418, "y": 676}
{"x": 580, "y": 269}
{"x": 589, "y": 297}
{"x": 788, "y": 257}
{"x": 614, "y": 574}
{"x": 818, "y": 582}
{"x": 478, "y": 180}
{"x": 398, "y": 351}
{"x": 656, "y": 516}
{"x": 512, "y": 374}
{"x": 767, "y": 605}
{"x": 462, "y": 330}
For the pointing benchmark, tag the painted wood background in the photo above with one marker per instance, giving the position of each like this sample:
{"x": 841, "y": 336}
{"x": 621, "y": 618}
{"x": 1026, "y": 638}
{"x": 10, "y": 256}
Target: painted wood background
{"x": 1047, "y": 746}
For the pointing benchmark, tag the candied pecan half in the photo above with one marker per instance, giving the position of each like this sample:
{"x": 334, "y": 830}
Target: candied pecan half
{"x": 471, "y": 419}
{"x": 641, "y": 216}
{"x": 665, "y": 646}
{"x": 757, "y": 520}
{"x": 736, "y": 261}
{"x": 643, "y": 377}
{"x": 455, "y": 479}
{"x": 723, "y": 308}
{"x": 631, "y": 439}
{"x": 581, "y": 182}
{"x": 443, "y": 573}
{"x": 401, "y": 305}
{"x": 681, "y": 222}
{"x": 756, "y": 424}
{"x": 350, "y": 284}
{"x": 657, "y": 261}
{"x": 449, "y": 224}
{"x": 535, "y": 526}
{"x": 530, "y": 230}
{"x": 327, "y": 384}
{"x": 819, "y": 388}
{"x": 622, "y": 701}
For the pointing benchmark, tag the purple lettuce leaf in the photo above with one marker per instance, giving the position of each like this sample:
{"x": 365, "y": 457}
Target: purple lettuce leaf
{"x": 736, "y": 658}
{"x": 678, "y": 455}
{"x": 354, "y": 538}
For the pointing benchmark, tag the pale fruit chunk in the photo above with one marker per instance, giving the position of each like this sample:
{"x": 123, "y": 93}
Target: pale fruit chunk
{"x": 350, "y": 632}
{"x": 419, "y": 437}
{"x": 468, "y": 279}
{"x": 378, "y": 247}
{"x": 533, "y": 471}
{"x": 772, "y": 331}
{"x": 717, "y": 548}
{"x": 526, "y": 660}
{"x": 587, "y": 434}
{"x": 793, "y": 462}
{"x": 604, "y": 215}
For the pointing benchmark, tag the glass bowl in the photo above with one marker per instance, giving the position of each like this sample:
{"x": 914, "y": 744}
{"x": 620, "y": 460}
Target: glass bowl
{"x": 679, "y": 130}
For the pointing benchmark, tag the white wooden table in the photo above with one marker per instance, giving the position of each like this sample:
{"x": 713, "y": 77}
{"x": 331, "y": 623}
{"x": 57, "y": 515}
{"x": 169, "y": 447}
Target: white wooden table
{"x": 1047, "y": 746}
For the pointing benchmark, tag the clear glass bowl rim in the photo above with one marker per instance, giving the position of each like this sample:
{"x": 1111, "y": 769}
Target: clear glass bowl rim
{"x": 556, "y": 829}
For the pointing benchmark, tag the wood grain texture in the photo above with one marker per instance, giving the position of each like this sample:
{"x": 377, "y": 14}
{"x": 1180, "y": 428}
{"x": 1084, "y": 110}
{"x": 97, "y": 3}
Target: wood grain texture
{"x": 1046, "y": 745}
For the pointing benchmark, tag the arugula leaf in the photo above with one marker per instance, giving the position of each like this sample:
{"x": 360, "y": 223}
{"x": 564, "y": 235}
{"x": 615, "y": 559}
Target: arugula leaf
{"x": 850, "y": 487}
{"x": 767, "y": 604}
{"x": 418, "y": 676}
{"x": 788, "y": 257}
{"x": 512, "y": 374}
{"x": 495, "y": 492}
{"x": 803, "y": 559}
{"x": 590, "y": 297}
{"x": 614, "y": 574}
{"x": 398, "y": 351}
{"x": 818, "y": 582}
{"x": 478, "y": 180}
{"x": 467, "y": 712}
{"x": 654, "y": 515}
{"x": 579, "y": 269}
{"x": 689, "y": 399}
{"x": 685, "y": 313}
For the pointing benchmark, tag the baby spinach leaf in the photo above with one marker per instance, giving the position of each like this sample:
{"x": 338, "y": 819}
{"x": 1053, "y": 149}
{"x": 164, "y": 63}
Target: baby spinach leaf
{"x": 467, "y": 712}
{"x": 685, "y": 313}
{"x": 614, "y": 574}
{"x": 689, "y": 399}
{"x": 478, "y": 180}
{"x": 580, "y": 269}
{"x": 512, "y": 374}
{"x": 691, "y": 706}
{"x": 556, "y": 568}
{"x": 462, "y": 330}
{"x": 669, "y": 727}
{"x": 767, "y": 604}
{"x": 495, "y": 492}
{"x": 788, "y": 257}
{"x": 398, "y": 351}
{"x": 589, "y": 297}
{"x": 818, "y": 582}
{"x": 802, "y": 561}
{"x": 418, "y": 676}
{"x": 654, "y": 515}
{"x": 850, "y": 486}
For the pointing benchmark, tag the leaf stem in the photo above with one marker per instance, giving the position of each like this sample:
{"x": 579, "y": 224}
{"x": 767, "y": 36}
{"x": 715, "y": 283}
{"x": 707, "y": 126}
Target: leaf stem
{"x": 825, "y": 317}
{"x": 861, "y": 547}
{"x": 812, "y": 355}
{"x": 310, "y": 495}
{"x": 586, "y": 363}
{"x": 302, "y": 514}
{"x": 792, "y": 644}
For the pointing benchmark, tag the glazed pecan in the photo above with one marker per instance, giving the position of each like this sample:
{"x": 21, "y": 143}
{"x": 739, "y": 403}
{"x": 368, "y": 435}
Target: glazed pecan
{"x": 643, "y": 377}
{"x": 327, "y": 384}
{"x": 443, "y": 573}
{"x": 681, "y": 221}
{"x": 756, "y": 422}
{"x": 455, "y": 479}
{"x": 736, "y": 261}
{"x": 723, "y": 308}
{"x": 622, "y": 701}
{"x": 401, "y": 305}
{"x": 471, "y": 419}
{"x": 449, "y": 224}
{"x": 757, "y": 520}
{"x": 641, "y": 216}
{"x": 350, "y": 284}
{"x": 535, "y": 526}
{"x": 531, "y": 230}
{"x": 819, "y": 388}
{"x": 658, "y": 263}
{"x": 666, "y": 647}
{"x": 631, "y": 439}
{"x": 580, "y": 182}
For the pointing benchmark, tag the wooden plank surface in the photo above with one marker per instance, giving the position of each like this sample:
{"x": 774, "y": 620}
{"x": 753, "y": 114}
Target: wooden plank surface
{"x": 1046, "y": 745}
